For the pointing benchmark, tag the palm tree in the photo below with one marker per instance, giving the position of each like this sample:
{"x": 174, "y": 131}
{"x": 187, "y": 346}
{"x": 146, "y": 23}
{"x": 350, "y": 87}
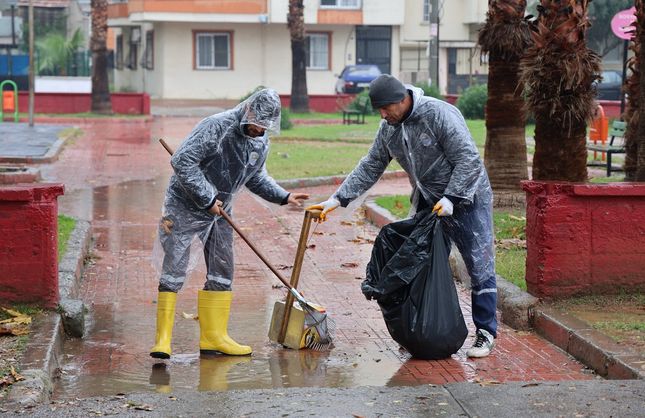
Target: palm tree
{"x": 632, "y": 88}
{"x": 100, "y": 86}
{"x": 634, "y": 113}
{"x": 54, "y": 52}
{"x": 557, "y": 74}
{"x": 296, "y": 24}
{"x": 505, "y": 37}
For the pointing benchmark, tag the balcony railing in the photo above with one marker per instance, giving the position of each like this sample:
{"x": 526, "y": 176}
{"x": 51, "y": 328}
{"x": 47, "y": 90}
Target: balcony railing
{"x": 124, "y": 9}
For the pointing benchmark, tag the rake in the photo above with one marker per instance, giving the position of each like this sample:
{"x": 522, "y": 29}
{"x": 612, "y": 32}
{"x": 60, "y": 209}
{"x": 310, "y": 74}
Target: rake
{"x": 319, "y": 328}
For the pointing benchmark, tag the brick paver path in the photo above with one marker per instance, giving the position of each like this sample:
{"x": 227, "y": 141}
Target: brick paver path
{"x": 115, "y": 176}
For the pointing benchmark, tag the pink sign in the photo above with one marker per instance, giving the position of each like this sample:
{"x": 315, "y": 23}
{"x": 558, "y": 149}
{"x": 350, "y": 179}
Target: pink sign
{"x": 622, "y": 23}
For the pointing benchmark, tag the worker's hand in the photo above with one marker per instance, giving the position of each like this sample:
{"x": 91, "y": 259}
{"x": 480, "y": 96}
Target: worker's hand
{"x": 325, "y": 207}
{"x": 443, "y": 207}
{"x": 216, "y": 209}
{"x": 297, "y": 198}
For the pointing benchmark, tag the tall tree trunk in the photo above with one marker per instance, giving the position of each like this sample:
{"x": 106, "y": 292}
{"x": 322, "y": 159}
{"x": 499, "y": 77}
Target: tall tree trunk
{"x": 505, "y": 37}
{"x": 558, "y": 71}
{"x": 101, "y": 102}
{"x": 632, "y": 88}
{"x": 635, "y": 114}
{"x": 296, "y": 24}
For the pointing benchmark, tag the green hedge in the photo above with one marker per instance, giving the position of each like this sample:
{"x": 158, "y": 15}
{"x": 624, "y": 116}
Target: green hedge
{"x": 472, "y": 102}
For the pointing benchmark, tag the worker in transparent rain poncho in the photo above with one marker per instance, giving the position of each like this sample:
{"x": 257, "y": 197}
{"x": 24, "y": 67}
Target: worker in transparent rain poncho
{"x": 223, "y": 153}
{"x": 430, "y": 140}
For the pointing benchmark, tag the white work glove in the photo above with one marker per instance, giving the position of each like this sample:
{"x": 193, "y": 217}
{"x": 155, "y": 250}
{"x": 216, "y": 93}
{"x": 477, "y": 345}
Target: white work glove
{"x": 443, "y": 207}
{"x": 325, "y": 207}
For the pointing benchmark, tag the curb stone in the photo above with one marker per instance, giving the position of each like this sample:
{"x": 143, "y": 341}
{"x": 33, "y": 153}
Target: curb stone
{"x": 522, "y": 311}
{"x": 40, "y": 360}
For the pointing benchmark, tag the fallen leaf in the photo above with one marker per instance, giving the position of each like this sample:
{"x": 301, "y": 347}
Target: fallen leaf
{"x": 358, "y": 416}
{"x": 318, "y": 233}
{"x": 11, "y": 312}
{"x": 346, "y": 223}
{"x": 277, "y": 286}
{"x": 358, "y": 278}
{"x": 17, "y": 377}
{"x": 489, "y": 382}
{"x": 283, "y": 267}
{"x": 349, "y": 265}
{"x": 311, "y": 246}
{"x": 189, "y": 316}
{"x": 530, "y": 384}
{"x": 143, "y": 407}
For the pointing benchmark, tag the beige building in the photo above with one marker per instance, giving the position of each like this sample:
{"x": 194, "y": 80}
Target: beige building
{"x": 223, "y": 49}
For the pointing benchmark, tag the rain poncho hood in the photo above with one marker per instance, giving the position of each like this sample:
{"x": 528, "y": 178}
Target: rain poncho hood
{"x": 433, "y": 145}
{"x": 262, "y": 108}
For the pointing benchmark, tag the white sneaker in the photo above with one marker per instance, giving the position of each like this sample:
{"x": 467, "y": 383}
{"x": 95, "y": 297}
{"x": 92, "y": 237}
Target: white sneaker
{"x": 483, "y": 344}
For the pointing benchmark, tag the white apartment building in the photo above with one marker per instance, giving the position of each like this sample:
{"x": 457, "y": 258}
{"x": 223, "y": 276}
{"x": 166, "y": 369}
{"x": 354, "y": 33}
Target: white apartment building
{"x": 193, "y": 49}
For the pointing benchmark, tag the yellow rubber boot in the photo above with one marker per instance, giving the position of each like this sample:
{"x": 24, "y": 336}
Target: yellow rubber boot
{"x": 213, "y": 308}
{"x": 165, "y": 321}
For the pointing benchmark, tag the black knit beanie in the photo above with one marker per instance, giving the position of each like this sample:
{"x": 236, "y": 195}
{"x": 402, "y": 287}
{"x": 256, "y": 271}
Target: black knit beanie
{"x": 385, "y": 90}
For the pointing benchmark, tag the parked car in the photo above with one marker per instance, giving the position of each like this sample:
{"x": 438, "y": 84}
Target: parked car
{"x": 355, "y": 78}
{"x": 610, "y": 87}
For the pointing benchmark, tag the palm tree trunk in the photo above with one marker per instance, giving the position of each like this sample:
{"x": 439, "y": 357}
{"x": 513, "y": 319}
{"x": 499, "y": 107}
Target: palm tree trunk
{"x": 505, "y": 37}
{"x": 296, "y": 24}
{"x": 558, "y": 72}
{"x": 635, "y": 134}
{"x": 100, "y": 85}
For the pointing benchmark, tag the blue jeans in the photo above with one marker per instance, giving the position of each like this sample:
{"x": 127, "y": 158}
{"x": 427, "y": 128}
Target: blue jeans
{"x": 471, "y": 229}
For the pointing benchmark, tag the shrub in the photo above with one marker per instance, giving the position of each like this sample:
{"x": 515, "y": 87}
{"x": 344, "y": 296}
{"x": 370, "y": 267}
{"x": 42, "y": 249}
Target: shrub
{"x": 285, "y": 119}
{"x": 431, "y": 91}
{"x": 473, "y": 101}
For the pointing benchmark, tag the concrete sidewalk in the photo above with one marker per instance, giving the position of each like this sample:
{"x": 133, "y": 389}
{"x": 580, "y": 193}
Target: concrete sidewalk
{"x": 519, "y": 399}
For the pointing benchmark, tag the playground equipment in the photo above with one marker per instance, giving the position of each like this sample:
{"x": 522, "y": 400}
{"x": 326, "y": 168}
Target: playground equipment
{"x": 598, "y": 131}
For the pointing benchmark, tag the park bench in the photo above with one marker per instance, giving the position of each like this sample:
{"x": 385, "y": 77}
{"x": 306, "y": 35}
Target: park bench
{"x": 355, "y": 112}
{"x": 616, "y": 144}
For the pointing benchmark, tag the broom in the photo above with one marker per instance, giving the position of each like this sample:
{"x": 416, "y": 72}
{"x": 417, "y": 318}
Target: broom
{"x": 315, "y": 316}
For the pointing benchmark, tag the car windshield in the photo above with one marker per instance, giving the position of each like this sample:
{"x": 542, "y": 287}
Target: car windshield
{"x": 610, "y": 77}
{"x": 364, "y": 71}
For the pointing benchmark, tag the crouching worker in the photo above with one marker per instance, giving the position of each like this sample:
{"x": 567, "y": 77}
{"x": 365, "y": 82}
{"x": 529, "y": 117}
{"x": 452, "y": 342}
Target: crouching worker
{"x": 223, "y": 153}
{"x": 430, "y": 140}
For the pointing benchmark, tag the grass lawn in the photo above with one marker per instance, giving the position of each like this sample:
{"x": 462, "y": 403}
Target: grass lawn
{"x": 357, "y": 133}
{"x": 620, "y": 316}
{"x": 300, "y": 159}
{"x": 509, "y": 236}
{"x": 65, "y": 227}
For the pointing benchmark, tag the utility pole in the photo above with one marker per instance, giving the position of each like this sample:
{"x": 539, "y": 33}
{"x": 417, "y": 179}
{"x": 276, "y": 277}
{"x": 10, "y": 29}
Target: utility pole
{"x": 433, "y": 45}
{"x": 31, "y": 62}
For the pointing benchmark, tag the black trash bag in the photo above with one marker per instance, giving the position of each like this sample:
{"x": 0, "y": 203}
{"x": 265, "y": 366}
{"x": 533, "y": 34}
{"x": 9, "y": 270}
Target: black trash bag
{"x": 410, "y": 277}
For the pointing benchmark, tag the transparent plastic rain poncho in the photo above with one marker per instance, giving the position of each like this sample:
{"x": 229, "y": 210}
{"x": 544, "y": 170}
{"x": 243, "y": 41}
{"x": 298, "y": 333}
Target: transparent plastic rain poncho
{"x": 435, "y": 148}
{"x": 213, "y": 163}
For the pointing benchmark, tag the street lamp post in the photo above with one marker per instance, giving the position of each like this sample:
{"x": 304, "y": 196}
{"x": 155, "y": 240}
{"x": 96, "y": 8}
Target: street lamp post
{"x": 433, "y": 47}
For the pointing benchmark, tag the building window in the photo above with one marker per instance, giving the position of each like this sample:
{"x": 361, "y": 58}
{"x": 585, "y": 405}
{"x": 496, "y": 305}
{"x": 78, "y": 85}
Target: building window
{"x": 119, "y": 52}
{"x": 340, "y": 4}
{"x": 212, "y": 50}
{"x": 131, "y": 61}
{"x": 426, "y": 10}
{"x": 149, "y": 54}
{"x": 317, "y": 51}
